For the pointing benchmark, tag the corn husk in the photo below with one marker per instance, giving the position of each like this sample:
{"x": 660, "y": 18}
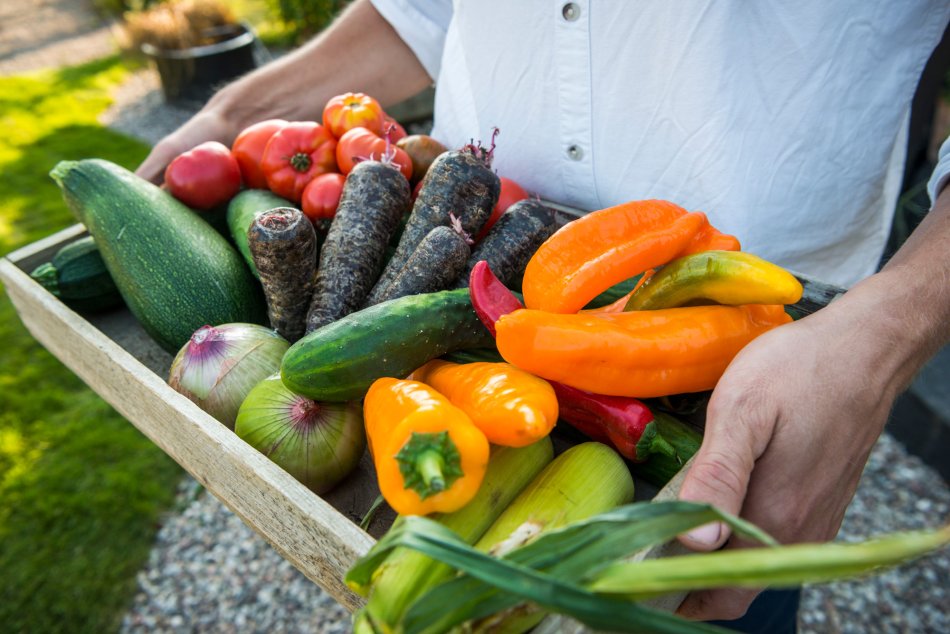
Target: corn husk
{"x": 401, "y": 576}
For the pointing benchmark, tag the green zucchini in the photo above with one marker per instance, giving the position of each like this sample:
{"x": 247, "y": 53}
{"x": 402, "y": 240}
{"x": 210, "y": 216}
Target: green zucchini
{"x": 174, "y": 271}
{"x": 339, "y": 361}
{"x": 242, "y": 210}
{"x": 78, "y": 276}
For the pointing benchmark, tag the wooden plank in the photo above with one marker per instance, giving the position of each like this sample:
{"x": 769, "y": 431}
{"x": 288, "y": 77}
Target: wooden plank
{"x": 309, "y": 532}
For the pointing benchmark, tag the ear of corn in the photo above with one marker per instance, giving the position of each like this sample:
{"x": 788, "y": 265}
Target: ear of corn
{"x": 585, "y": 480}
{"x": 406, "y": 574}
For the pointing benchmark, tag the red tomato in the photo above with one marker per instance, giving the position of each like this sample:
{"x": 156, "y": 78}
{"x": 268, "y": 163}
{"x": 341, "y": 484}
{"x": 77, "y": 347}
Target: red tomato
{"x": 351, "y": 110}
{"x": 511, "y": 192}
{"x": 321, "y": 196}
{"x": 415, "y": 191}
{"x": 359, "y": 144}
{"x": 205, "y": 176}
{"x": 248, "y": 149}
{"x": 396, "y": 131}
{"x": 295, "y": 155}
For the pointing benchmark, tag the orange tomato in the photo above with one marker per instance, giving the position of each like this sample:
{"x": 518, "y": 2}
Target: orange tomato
{"x": 360, "y": 144}
{"x": 351, "y": 110}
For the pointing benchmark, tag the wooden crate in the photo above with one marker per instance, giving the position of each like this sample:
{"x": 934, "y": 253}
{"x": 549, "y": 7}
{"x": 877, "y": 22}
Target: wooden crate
{"x": 320, "y": 535}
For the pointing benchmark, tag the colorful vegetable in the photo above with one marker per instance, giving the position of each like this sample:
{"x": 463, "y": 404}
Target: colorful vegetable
{"x": 360, "y": 144}
{"x": 437, "y": 262}
{"x": 248, "y": 150}
{"x": 321, "y": 197}
{"x": 512, "y": 241}
{"x": 510, "y": 406}
{"x": 351, "y": 110}
{"x": 731, "y": 278}
{"x": 429, "y": 456}
{"x": 639, "y": 353}
{"x": 242, "y": 210}
{"x": 220, "y": 365}
{"x": 605, "y": 247}
{"x": 339, "y": 361}
{"x": 77, "y": 275}
{"x": 422, "y": 150}
{"x": 375, "y": 197}
{"x": 317, "y": 443}
{"x": 295, "y": 155}
{"x": 459, "y": 184}
{"x": 406, "y": 574}
{"x": 622, "y": 422}
{"x": 174, "y": 271}
{"x": 204, "y": 177}
{"x": 284, "y": 247}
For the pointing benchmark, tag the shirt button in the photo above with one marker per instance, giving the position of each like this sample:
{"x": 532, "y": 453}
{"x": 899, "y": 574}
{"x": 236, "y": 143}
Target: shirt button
{"x": 575, "y": 153}
{"x": 571, "y": 11}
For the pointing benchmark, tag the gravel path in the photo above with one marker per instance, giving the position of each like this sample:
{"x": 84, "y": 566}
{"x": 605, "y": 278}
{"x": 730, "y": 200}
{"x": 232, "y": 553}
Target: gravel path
{"x": 209, "y": 572}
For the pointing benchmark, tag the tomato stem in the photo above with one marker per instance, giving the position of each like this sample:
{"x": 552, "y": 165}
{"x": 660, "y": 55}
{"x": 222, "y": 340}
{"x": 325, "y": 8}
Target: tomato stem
{"x": 301, "y": 161}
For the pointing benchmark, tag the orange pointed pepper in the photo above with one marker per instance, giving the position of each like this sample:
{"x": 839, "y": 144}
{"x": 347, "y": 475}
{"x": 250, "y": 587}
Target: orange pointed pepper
{"x": 603, "y": 248}
{"x": 512, "y": 407}
{"x": 429, "y": 456}
{"x": 640, "y": 353}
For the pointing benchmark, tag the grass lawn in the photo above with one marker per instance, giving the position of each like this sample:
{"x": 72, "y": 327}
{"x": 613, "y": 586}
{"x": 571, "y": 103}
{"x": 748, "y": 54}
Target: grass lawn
{"x": 81, "y": 490}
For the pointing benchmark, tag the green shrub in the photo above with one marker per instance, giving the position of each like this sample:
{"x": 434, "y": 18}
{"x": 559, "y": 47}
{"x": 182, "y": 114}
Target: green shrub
{"x": 305, "y": 18}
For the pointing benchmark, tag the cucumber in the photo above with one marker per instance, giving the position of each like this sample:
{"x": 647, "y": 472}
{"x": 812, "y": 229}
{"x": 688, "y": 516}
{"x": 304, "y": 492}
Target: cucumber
{"x": 242, "y": 210}
{"x": 78, "y": 276}
{"x": 339, "y": 361}
{"x": 174, "y": 271}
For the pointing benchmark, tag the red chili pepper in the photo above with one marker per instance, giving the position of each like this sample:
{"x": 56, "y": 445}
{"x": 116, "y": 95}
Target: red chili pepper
{"x": 626, "y": 424}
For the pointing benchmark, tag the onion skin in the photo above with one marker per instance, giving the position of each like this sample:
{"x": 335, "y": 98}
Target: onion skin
{"x": 219, "y": 365}
{"x": 317, "y": 443}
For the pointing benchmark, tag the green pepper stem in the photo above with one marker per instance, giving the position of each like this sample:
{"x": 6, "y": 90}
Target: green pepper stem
{"x": 429, "y": 464}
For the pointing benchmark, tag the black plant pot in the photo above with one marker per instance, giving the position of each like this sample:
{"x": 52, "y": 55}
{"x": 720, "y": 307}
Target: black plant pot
{"x": 190, "y": 76}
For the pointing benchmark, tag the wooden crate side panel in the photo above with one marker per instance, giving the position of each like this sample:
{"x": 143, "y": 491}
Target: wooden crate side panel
{"x": 305, "y": 529}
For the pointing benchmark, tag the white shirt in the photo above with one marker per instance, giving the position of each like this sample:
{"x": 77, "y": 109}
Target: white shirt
{"x": 785, "y": 121}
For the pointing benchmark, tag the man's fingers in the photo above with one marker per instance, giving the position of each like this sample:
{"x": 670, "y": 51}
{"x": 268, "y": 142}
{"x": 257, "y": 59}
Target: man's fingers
{"x": 719, "y": 476}
{"x": 725, "y": 604}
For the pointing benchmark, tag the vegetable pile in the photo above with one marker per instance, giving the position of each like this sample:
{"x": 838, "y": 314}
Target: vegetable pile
{"x": 363, "y": 291}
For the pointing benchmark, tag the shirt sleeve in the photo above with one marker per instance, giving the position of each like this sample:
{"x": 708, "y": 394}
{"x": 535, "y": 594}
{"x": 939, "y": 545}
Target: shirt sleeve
{"x": 941, "y": 175}
{"x": 422, "y": 25}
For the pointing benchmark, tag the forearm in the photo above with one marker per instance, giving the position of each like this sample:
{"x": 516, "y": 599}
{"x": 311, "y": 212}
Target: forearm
{"x": 904, "y": 310}
{"x": 359, "y": 52}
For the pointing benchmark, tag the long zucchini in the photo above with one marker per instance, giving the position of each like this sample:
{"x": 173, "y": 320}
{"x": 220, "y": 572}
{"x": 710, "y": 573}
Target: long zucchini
{"x": 174, "y": 271}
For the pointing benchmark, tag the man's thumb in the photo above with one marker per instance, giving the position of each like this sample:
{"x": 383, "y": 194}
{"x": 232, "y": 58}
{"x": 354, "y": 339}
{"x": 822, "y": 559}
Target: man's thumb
{"x": 719, "y": 476}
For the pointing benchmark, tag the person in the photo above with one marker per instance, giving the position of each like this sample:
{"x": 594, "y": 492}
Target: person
{"x": 785, "y": 122}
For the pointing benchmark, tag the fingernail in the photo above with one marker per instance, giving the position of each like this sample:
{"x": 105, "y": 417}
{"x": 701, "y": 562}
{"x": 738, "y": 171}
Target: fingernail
{"x": 707, "y": 534}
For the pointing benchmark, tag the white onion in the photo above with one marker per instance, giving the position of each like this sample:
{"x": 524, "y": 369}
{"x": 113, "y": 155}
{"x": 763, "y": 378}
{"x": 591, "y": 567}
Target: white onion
{"x": 220, "y": 364}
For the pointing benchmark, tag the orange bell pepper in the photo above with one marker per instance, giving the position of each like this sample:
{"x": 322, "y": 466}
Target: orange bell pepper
{"x": 603, "y": 248}
{"x": 512, "y": 407}
{"x": 429, "y": 456}
{"x": 640, "y": 353}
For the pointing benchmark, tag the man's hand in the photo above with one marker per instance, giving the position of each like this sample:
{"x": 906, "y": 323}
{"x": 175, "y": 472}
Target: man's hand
{"x": 206, "y": 125}
{"x": 789, "y": 429}
{"x": 296, "y": 86}
{"x": 791, "y": 423}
